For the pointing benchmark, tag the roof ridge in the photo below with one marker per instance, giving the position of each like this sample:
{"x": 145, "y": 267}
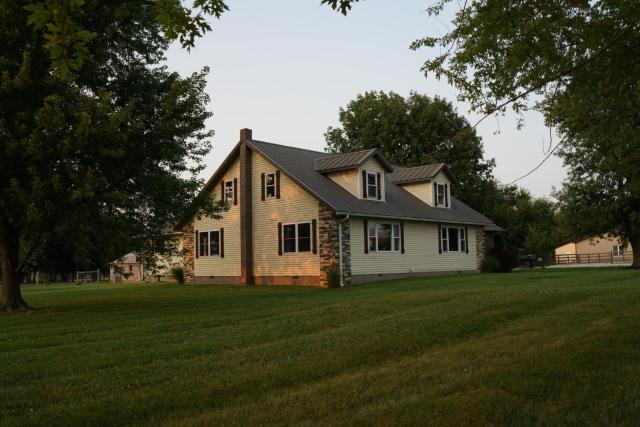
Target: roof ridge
{"x": 403, "y": 168}
{"x": 351, "y": 153}
{"x": 290, "y": 146}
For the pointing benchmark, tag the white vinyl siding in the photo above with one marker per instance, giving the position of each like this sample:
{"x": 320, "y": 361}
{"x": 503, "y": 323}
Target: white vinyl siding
{"x": 421, "y": 252}
{"x": 206, "y": 266}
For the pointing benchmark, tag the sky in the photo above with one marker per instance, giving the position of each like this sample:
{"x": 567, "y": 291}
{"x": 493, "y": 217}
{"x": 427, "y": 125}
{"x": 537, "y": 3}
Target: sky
{"x": 284, "y": 68}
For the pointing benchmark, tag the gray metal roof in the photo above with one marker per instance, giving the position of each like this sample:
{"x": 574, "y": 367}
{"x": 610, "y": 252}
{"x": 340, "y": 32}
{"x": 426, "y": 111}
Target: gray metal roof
{"x": 299, "y": 165}
{"x": 337, "y": 162}
{"x": 415, "y": 174}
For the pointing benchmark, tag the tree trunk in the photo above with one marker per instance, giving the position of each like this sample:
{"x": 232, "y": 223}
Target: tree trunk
{"x": 10, "y": 295}
{"x": 635, "y": 247}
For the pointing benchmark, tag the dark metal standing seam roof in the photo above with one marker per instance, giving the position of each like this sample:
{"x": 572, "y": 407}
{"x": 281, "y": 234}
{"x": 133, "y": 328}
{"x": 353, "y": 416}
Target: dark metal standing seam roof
{"x": 298, "y": 164}
{"x": 336, "y": 162}
{"x": 415, "y": 174}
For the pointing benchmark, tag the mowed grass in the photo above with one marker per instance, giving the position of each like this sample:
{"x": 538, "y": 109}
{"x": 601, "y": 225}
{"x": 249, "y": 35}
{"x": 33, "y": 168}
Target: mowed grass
{"x": 554, "y": 347}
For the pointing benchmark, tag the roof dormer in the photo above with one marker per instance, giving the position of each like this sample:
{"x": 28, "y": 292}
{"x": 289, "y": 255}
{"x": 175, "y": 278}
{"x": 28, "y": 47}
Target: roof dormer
{"x": 361, "y": 173}
{"x": 430, "y": 183}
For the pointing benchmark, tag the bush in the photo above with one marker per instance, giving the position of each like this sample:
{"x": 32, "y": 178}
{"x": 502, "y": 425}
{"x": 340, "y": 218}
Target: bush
{"x": 333, "y": 277}
{"x": 491, "y": 264}
{"x": 506, "y": 260}
{"x": 178, "y": 274}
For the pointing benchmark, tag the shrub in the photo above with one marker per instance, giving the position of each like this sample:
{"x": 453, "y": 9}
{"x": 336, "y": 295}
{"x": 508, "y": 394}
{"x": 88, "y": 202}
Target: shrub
{"x": 506, "y": 260}
{"x": 491, "y": 264}
{"x": 178, "y": 274}
{"x": 333, "y": 277}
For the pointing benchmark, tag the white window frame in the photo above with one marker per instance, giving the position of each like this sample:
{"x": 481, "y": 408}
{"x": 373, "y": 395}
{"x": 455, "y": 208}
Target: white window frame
{"x": 297, "y": 237}
{"x": 208, "y": 247}
{"x": 618, "y": 250}
{"x": 395, "y": 236}
{"x": 229, "y": 197}
{"x": 374, "y": 185}
{"x": 445, "y": 240}
{"x": 266, "y": 185}
{"x": 438, "y": 195}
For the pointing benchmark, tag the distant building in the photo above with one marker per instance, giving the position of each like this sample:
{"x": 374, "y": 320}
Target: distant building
{"x": 595, "y": 245}
{"x": 130, "y": 268}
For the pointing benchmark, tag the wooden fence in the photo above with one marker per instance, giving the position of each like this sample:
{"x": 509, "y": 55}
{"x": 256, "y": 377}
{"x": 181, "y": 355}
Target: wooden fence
{"x": 606, "y": 257}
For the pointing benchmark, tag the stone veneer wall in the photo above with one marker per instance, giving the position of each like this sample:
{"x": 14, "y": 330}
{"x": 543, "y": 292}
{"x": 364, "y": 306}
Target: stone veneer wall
{"x": 189, "y": 253}
{"x": 327, "y": 241}
{"x": 346, "y": 252}
{"x": 480, "y": 247}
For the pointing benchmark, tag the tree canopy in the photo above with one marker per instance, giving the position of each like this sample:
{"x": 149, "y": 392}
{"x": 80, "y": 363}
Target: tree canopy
{"x": 577, "y": 63}
{"x": 108, "y": 158}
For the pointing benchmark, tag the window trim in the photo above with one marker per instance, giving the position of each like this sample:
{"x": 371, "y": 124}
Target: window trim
{"x": 375, "y": 185}
{"x": 275, "y": 185}
{"x": 230, "y": 198}
{"x": 296, "y": 239}
{"x": 394, "y": 226}
{"x": 462, "y": 237}
{"x": 617, "y": 250}
{"x": 208, "y": 247}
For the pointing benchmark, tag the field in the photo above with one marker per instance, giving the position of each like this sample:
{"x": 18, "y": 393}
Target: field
{"x": 554, "y": 347}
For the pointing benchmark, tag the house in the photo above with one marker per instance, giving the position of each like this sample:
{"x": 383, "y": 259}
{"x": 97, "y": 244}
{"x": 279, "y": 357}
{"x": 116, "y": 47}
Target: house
{"x": 609, "y": 244}
{"x": 127, "y": 268}
{"x": 298, "y": 216}
{"x": 130, "y": 267}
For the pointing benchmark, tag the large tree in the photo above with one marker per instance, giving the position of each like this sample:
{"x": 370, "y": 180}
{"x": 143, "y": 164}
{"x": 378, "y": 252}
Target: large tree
{"x": 109, "y": 151}
{"x": 577, "y": 62}
{"x": 413, "y": 131}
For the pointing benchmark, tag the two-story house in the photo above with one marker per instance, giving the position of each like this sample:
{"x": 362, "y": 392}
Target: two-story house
{"x": 295, "y": 215}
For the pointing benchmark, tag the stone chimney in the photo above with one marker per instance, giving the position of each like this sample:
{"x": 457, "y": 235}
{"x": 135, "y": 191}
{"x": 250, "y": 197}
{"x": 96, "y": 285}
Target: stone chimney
{"x": 246, "y": 134}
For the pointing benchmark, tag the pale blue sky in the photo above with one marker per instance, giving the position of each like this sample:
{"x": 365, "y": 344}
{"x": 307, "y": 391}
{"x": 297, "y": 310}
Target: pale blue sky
{"x": 284, "y": 67}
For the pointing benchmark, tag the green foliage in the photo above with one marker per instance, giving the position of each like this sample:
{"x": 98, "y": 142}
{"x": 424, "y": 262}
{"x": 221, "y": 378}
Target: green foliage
{"x": 106, "y": 162}
{"x": 178, "y": 274}
{"x": 540, "y": 241}
{"x": 333, "y": 277}
{"x": 515, "y": 349}
{"x": 67, "y": 36}
{"x": 507, "y": 258}
{"x": 491, "y": 264}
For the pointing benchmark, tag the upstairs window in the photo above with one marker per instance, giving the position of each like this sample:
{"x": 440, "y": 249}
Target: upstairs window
{"x": 441, "y": 195}
{"x": 384, "y": 237}
{"x": 453, "y": 239}
{"x": 372, "y": 185}
{"x": 228, "y": 191}
{"x": 270, "y": 185}
{"x": 296, "y": 237}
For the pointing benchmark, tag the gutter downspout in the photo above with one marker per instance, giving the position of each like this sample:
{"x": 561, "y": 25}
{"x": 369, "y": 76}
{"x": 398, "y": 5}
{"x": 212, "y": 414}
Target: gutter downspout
{"x": 347, "y": 217}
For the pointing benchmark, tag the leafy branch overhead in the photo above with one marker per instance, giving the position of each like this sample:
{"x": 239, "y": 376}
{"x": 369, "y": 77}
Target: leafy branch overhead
{"x": 60, "y": 24}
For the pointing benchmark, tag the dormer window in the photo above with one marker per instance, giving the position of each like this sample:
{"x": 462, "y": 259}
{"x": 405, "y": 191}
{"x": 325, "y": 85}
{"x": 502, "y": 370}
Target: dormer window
{"x": 372, "y": 185}
{"x": 371, "y": 188}
{"x": 440, "y": 194}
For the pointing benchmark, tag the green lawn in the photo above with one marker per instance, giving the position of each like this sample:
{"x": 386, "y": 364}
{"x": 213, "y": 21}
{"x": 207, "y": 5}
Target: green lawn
{"x": 561, "y": 347}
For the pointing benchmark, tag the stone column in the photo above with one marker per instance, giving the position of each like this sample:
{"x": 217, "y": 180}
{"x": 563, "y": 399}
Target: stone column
{"x": 188, "y": 244}
{"x": 327, "y": 242}
{"x": 346, "y": 252}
